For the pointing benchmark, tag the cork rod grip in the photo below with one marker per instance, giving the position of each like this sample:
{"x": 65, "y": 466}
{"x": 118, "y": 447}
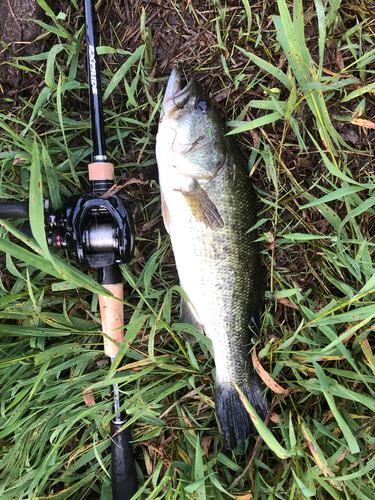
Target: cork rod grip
{"x": 112, "y": 314}
{"x": 101, "y": 171}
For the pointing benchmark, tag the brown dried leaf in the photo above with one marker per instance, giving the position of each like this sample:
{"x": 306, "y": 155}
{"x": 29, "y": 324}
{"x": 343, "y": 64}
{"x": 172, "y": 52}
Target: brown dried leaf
{"x": 282, "y": 61}
{"x": 288, "y": 303}
{"x": 18, "y": 160}
{"x": 339, "y": 60}
{"x": 206, "y": 443}
{"x": 366, "y": 348}
{"x": 351, "y": 136}
{"x": 115, "y": 189}
{"x": 266, "y": 377}
{"x": 77, "y": 452}
{"x": 255, "y": 138}
{"x": 88, "y": 397}
{"x": 363, "y": 123}
{"x": 221, "y": 96}
{"x": 271, "y": 239}
{"x": 274, "y": 418}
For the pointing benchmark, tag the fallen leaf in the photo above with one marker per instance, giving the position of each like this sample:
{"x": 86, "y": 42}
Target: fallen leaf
{"x": 351, "y": 136}
{"x": 282, "y": 61}
{"x": 363, "y": 123}
{"x": 88, "y": 397}
{"x": 115, "y": 189}
{"x": 271, "y": 240}
{"x": 206, "y": 443}
{"x": 288, "y": 303}
{"x": 266, "y": 377}
{"x": 221, "y": 95}
{"x": 366, "y": 348}
{"x": 339, "y": 60}
{"x": 255, "y": 138}
{"x": 18, "y": 160}
{"x": 275, "y": 418}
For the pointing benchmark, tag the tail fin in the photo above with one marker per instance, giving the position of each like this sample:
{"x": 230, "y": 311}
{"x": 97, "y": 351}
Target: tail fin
{"x": 234, "y": 420}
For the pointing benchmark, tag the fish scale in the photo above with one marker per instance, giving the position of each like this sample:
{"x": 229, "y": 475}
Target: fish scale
{"x": 208, "y": 205}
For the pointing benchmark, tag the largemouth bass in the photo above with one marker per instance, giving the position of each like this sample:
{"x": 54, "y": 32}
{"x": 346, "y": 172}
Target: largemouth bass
{"x": 208, "y": 206}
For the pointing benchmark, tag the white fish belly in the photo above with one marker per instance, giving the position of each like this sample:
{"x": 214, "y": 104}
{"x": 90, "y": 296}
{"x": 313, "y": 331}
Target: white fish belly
{"x": 208, "y": 271}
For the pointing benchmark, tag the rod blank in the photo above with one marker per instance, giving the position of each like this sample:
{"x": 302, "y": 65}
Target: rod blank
{"x": 95, "y": 85}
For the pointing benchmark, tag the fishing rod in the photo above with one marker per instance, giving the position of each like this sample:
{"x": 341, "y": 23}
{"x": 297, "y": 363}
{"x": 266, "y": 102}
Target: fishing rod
{"x": 101, "y": 174}
{"x": 99, "y": 233}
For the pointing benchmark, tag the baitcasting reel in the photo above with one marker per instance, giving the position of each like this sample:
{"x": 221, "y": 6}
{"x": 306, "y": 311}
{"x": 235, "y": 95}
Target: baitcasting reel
{"x": 97, "y": 232}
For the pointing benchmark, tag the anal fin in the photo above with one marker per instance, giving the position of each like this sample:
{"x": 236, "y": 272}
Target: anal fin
{"x": 189, "y": 315}
{"x": 165, "y": 213}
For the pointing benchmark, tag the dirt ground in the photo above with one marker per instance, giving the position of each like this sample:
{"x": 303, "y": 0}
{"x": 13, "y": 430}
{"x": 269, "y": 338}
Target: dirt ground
{"x": 18, "y": 33}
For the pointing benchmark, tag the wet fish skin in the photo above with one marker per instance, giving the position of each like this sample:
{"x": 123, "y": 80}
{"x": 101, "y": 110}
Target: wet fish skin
{"x": 208, "y": 205}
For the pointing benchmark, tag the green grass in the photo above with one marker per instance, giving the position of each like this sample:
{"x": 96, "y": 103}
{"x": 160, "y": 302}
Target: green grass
{"x": 305, "y": 123}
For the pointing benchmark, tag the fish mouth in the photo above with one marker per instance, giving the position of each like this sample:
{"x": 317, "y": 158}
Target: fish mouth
{"x": 175, "y": 97}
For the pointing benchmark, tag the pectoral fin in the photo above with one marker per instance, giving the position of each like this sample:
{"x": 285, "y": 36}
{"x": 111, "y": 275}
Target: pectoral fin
{"x": 201, "y": 206}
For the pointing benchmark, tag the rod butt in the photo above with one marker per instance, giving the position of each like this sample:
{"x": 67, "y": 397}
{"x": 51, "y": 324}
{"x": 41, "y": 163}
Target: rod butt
{"x": 124, "y": 476}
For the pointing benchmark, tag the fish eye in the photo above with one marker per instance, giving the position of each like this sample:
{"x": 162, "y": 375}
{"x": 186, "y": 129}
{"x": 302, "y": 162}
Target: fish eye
{"x": 203, "y": 105}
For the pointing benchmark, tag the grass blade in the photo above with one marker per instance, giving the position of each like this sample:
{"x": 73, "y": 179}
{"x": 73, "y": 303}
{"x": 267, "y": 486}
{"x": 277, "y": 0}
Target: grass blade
{"x": 348, "y": 435}
{"x": 263, "y": 429}
{"x": 36, "y": 202}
